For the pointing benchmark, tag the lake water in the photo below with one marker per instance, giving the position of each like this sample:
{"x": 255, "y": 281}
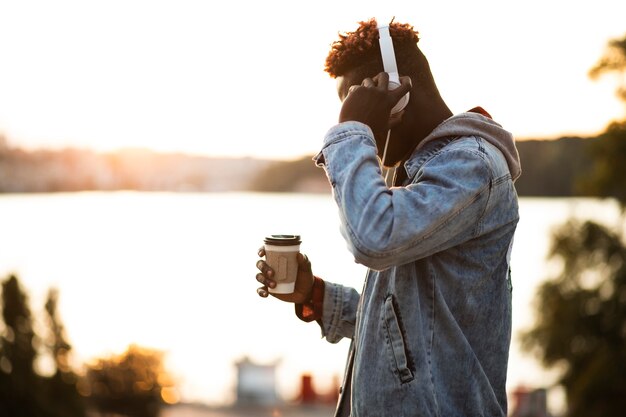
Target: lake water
{"x": 176, "y": 272}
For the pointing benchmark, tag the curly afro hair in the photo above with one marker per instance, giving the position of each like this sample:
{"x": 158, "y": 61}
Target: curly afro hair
{"x": 360, "y": 48}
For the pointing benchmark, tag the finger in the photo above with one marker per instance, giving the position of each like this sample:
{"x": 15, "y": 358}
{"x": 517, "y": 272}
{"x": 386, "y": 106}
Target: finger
{"x": 261, "y": 251}
{"x": 262, "y": 292}
{"x": 304, "y": 262}
{"x": 262, "y": 266}
{"x": 405, "y": 86}
{"x": 382, "y": 80}
{"x": 352, "y": 88}
{"x": 265, "y": 281}
{"x": 406, "y": 80}
{"x": 368, "y": 82}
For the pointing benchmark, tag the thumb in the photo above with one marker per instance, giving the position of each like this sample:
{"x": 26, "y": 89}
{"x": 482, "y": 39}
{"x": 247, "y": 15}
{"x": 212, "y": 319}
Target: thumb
{"x": 303, "y": 262}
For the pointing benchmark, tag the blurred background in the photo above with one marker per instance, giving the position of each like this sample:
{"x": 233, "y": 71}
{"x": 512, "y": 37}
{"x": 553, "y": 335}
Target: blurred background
{"x": 147, "y": 147}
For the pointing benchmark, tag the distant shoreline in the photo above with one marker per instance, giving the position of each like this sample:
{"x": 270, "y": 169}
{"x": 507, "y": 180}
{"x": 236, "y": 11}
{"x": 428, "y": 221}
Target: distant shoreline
{"x": 550, "y": 168}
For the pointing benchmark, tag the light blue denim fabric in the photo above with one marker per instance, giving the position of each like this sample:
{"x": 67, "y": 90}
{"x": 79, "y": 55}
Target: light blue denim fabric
{"x": 431, "y": 329}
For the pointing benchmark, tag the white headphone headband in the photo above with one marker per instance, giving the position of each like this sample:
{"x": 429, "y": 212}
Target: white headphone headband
{"x": 389, "y": 65}
{"x": 387, "y": 53}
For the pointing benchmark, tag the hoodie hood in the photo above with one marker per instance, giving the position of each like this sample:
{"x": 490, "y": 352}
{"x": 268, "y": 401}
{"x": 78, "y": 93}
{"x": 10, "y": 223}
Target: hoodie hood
{"x": 474, "y": 124}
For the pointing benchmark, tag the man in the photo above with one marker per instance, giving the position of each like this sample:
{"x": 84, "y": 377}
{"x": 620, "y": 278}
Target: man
{"x": 431, "y": 329}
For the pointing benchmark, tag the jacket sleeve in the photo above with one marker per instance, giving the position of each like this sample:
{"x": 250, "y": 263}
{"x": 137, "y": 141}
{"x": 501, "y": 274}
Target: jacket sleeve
{"x": 339, "y": 313}
{"x": 393, "y": 226}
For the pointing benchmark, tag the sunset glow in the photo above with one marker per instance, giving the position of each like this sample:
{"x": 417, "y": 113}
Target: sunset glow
{"x": 246, "y": 78}
{"x": 154, "y": 255}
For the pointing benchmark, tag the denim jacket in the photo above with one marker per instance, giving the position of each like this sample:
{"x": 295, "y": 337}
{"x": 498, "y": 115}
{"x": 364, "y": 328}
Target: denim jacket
{"x": 431, "y": 328}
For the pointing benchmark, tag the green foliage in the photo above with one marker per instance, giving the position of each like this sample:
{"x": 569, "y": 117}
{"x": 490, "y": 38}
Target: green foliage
{"x": 18, "y": 379}
{"x": 291, "y": 176}
{"x": 581, "y": 324}
{"x": 608, "y": 175}
{"x": 550, "y": 167}
{"x": 23, "y": 392}
{"x": 134, "y": 383}
{"x": 62, "y": 386}
{"x": 582, "y": 320}
{"x": 613, "y": 61}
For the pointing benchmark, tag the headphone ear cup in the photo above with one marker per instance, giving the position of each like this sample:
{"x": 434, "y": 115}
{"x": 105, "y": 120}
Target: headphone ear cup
{"x": 401, "y": 104}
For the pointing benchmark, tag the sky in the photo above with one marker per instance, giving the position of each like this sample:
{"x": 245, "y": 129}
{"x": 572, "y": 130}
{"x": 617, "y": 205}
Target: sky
{"x": 245, "y": 78}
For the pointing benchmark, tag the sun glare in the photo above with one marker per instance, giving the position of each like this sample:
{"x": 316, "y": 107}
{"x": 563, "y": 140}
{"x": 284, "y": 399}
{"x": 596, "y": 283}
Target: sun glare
{"x": 170, "y": 395}
{"x": 162, "y": 80}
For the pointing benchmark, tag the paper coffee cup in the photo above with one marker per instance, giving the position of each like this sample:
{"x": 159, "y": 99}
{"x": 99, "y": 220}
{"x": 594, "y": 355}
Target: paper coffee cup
{"x": 281, "y": 252}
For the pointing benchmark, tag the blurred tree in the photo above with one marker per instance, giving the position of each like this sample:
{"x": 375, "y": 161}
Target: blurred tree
{"x": 608, "y": 173}
{"x": 291, "y": 176}
{"x": 61, "y": 387}
{"x": 18, "y": 381}
{"x": 613, "y": 61}
{"x": 581, "y": 314}
{"x": 134, "y": 383}
{"x": 58, "y": 344}
{"x": 551, "y": 166}
{"x": 20, "y": 384}
{"x": 24, "y": 393}
{"x": 581, "y": 324}
{"x": 607, "y": 176}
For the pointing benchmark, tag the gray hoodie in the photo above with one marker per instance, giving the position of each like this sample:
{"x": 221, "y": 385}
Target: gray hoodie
{"x": 474, "y": 124}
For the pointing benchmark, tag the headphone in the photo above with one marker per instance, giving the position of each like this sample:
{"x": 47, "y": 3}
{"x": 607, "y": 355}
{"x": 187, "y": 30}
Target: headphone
{"x": 389, "y": 64}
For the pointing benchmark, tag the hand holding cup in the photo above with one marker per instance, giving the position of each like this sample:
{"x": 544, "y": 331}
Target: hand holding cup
{"x": 275, "y": 274}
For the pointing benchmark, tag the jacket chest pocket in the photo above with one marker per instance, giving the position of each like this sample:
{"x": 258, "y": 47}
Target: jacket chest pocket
{"x": 400, "y": 358}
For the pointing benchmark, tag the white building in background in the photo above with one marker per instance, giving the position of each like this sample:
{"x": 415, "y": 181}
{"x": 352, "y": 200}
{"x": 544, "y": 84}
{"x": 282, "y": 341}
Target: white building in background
{"x": 256, "y": 384}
